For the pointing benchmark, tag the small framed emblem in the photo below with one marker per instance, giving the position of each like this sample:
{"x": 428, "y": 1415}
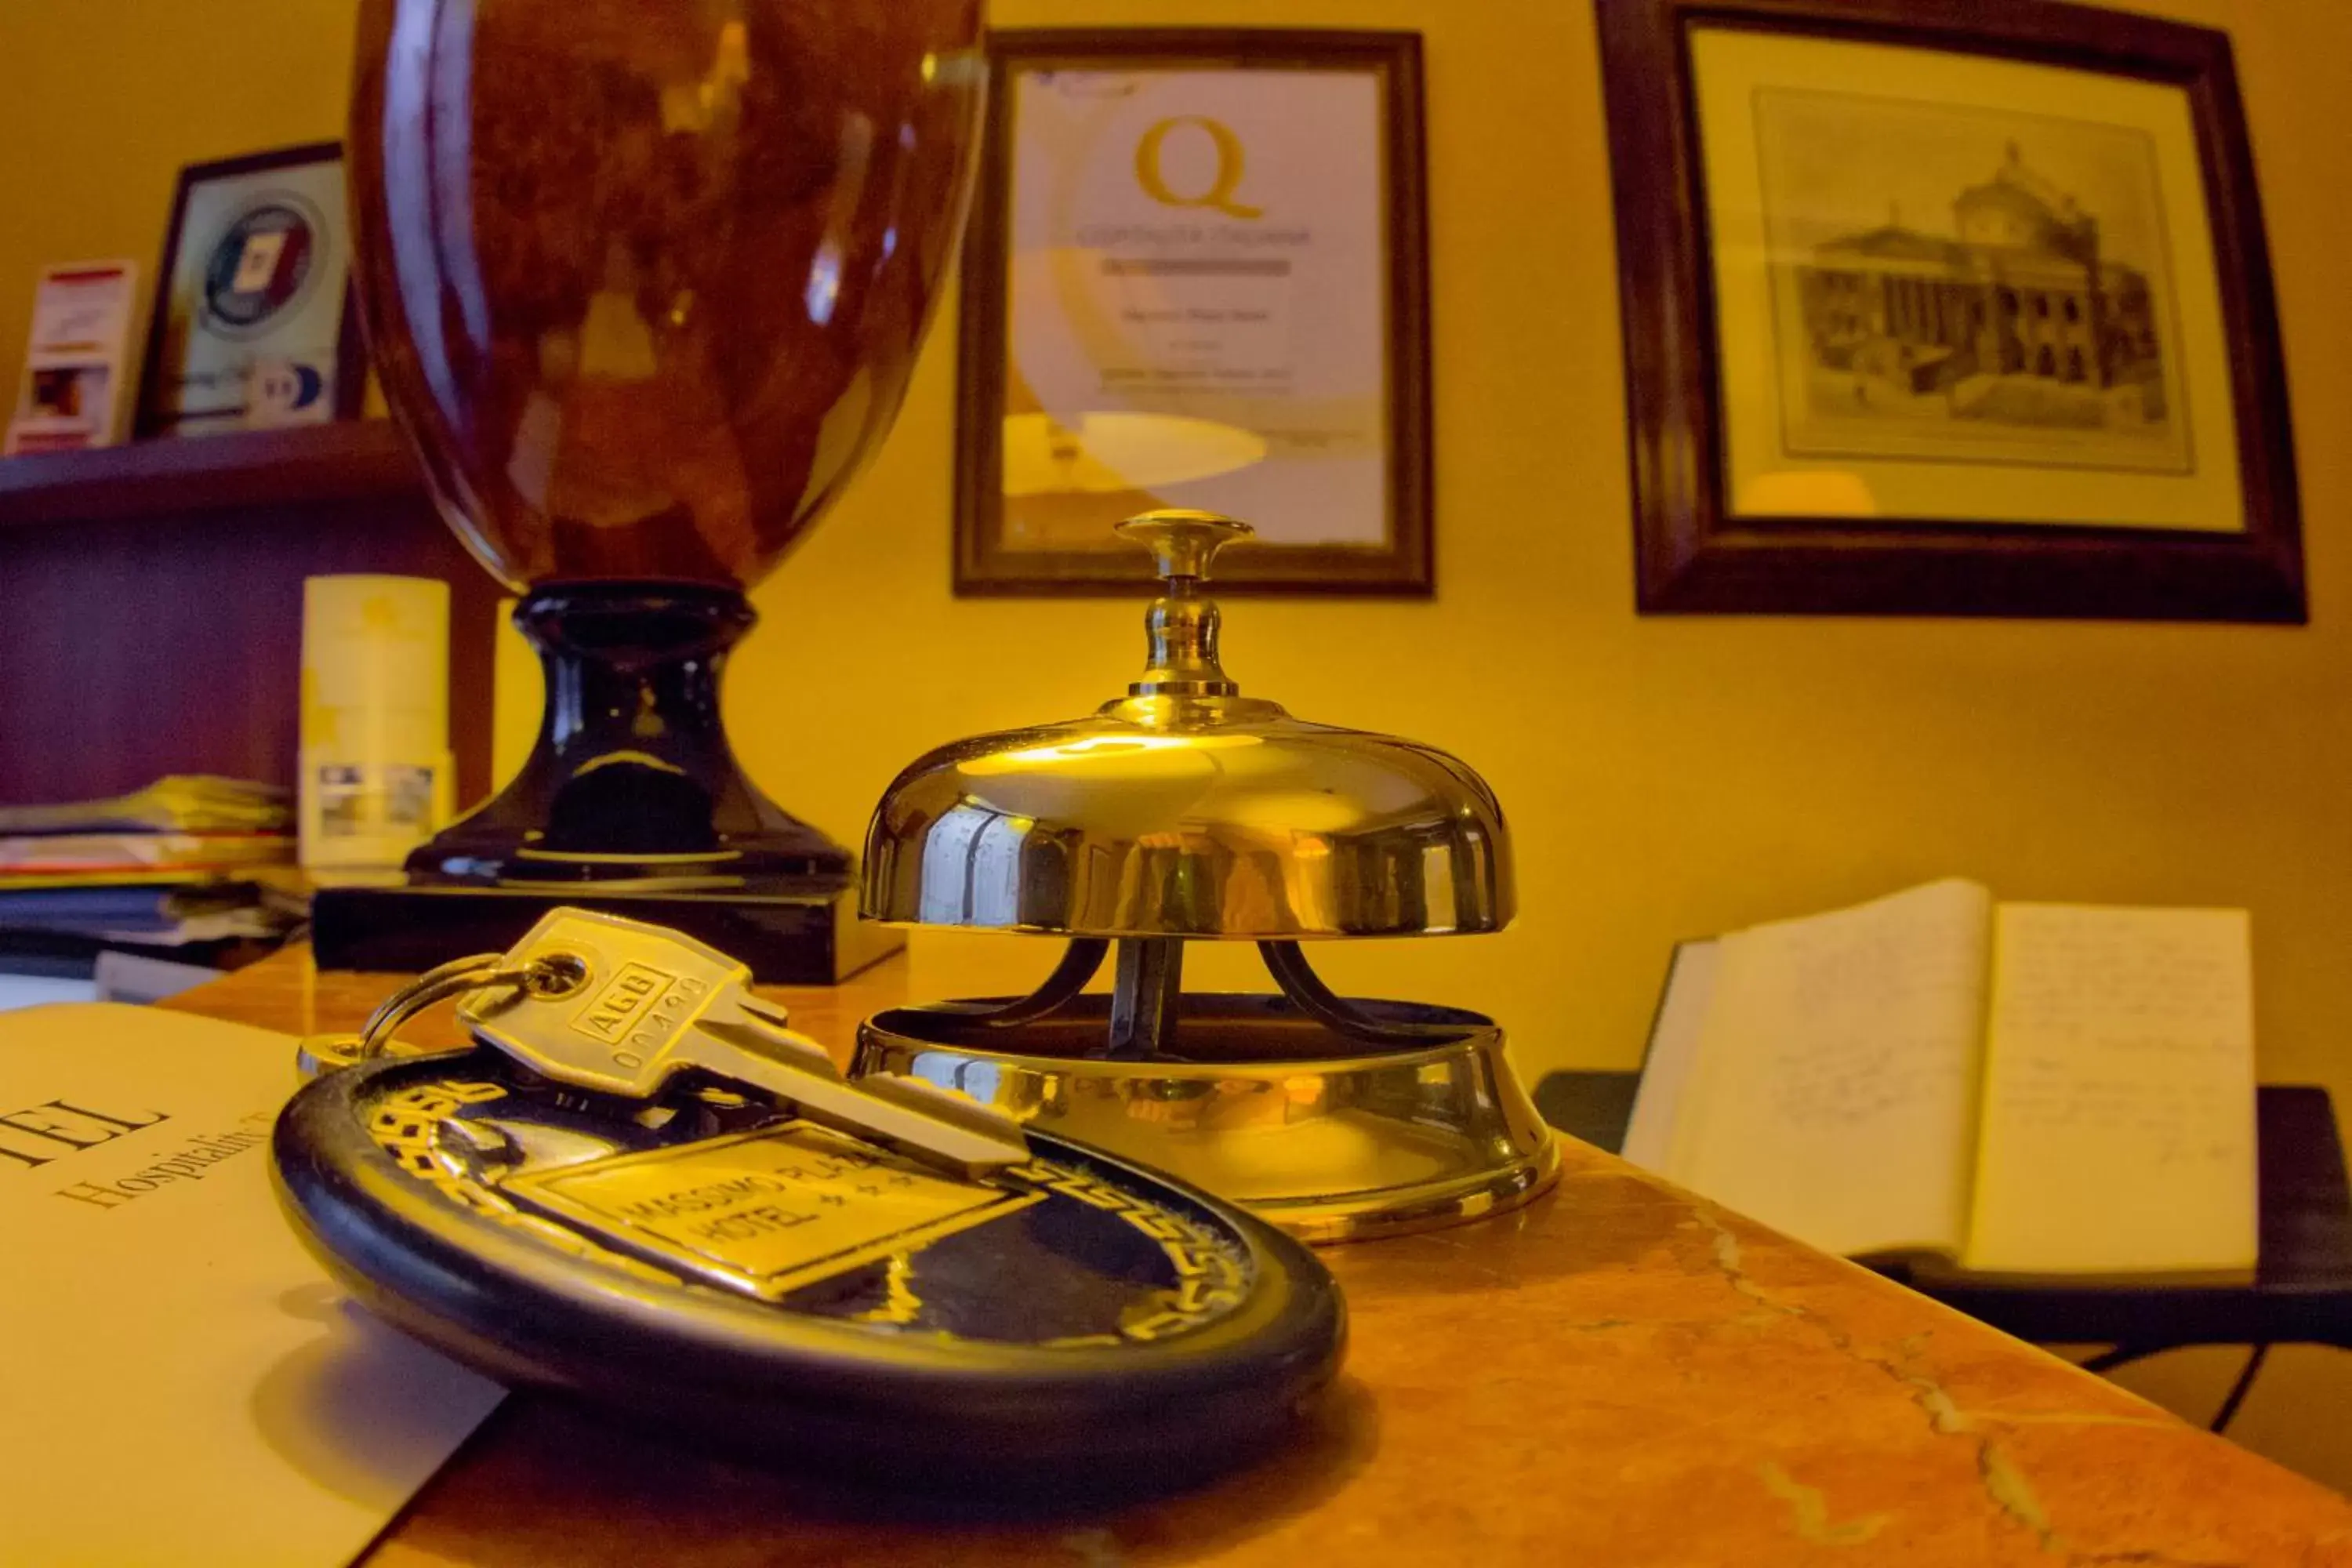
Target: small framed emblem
{"x": 253, "y": 322}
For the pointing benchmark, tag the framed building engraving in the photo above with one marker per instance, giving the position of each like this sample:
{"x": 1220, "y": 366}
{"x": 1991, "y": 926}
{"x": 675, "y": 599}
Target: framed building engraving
{"x": 1939, "y": 319}
{"x": 2028, "y": 316}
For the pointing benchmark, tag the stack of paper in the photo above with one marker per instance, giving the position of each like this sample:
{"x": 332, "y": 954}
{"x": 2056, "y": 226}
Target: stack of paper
{"x": 181, "y": 803}
{"x": 136, "y": 915}
{"x": 37, "y": 854}
{"x": 186, "y": 861}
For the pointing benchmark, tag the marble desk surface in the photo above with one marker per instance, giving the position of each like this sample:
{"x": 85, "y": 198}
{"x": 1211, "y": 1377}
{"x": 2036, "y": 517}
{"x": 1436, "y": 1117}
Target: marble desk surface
{"x": 1619, "y": 1376}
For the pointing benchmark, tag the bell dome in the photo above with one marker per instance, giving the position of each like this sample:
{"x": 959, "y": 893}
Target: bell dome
{"x": 1185, "y": 809}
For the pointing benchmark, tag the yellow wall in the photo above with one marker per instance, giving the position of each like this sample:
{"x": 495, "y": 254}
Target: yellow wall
{"x": 102, "y": 102}
{"x": 1665, "y": 777}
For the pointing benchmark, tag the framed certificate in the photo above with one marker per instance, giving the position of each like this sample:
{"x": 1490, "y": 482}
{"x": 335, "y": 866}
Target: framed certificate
{"x": 253, "y": 320}
{"x": 1197, "y": 276}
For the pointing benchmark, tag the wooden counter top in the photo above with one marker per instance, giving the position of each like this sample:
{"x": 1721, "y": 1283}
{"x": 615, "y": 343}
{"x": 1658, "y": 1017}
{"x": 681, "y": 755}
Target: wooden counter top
{"x": 1617, "y": 1375}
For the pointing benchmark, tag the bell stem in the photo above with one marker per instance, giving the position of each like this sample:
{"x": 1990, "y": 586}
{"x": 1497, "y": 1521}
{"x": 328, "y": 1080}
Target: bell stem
{"x": 1144, "y": 997}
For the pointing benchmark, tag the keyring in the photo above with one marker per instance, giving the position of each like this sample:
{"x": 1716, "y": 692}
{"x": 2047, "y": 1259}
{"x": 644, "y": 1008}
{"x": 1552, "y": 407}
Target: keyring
{"x": 477, "y": 972}
{"x": 751, "y": 1249}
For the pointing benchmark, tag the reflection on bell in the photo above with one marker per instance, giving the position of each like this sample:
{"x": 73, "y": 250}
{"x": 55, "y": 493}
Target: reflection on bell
{"x": 1102, "y": 453}
{"x": 1184, "y": 812}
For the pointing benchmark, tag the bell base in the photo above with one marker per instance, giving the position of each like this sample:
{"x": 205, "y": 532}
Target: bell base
{"x": 1497, "y": 1189}
{"x": 1324, "y": 1137}
{"x": 806, "y": 934}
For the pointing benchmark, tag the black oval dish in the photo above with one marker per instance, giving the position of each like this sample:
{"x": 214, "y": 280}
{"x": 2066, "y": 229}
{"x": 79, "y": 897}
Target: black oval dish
{"x": 940, "y": 1360}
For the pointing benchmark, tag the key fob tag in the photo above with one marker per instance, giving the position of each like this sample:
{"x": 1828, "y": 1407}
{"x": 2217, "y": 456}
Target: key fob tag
{"x": 725, "y": 1266}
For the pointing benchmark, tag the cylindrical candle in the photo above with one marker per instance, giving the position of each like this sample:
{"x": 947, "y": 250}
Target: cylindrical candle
{"x": 376, "y": 768}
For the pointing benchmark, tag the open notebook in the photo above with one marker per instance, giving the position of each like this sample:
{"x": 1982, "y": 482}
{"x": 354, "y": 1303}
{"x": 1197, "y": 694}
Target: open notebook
{"x": 2019, "y": 1088}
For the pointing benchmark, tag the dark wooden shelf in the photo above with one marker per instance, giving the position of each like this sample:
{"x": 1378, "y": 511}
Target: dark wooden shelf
{"x": 360, "y": 459}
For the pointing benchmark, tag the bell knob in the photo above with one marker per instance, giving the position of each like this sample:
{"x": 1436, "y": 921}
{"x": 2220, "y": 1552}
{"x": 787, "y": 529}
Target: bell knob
{"x": 1182, "y": 542}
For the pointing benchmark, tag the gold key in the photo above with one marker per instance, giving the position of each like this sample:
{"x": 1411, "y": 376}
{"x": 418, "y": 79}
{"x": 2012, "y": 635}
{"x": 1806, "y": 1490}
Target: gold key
{"x": 619, "y": 1007}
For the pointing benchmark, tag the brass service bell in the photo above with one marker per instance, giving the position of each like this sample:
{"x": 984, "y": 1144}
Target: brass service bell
{"x": 1188, "y": 812}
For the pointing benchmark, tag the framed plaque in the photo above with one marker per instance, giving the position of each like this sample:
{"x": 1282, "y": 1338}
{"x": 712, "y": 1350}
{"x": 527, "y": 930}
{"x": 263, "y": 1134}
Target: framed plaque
{"x": 1197, "y": 278}
{"x": 1960, "y": 310}
{"x": 253, "y": 321}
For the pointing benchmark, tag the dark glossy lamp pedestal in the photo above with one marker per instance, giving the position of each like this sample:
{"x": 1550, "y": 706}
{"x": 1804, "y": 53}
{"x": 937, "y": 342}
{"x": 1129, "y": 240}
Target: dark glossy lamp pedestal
{"x": 632, "y": 780}
{"x": 631, "y": 802}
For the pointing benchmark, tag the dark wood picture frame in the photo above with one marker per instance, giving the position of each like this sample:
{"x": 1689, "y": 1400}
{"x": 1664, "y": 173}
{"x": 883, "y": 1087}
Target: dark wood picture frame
{"x": 350, "y": 348}
{"x": 1404, "y": 566}
{"x": 1693, "y": 555}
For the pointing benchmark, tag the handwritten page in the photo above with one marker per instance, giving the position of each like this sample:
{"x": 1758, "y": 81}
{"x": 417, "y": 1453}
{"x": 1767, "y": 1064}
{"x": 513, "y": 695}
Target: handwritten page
{"x": 1833, "y": 1093}
{"x": 2118, "y": 1127}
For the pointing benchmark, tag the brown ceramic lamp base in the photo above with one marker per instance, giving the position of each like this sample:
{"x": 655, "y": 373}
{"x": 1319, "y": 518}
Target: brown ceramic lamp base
{"x": 632, "y": 802}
